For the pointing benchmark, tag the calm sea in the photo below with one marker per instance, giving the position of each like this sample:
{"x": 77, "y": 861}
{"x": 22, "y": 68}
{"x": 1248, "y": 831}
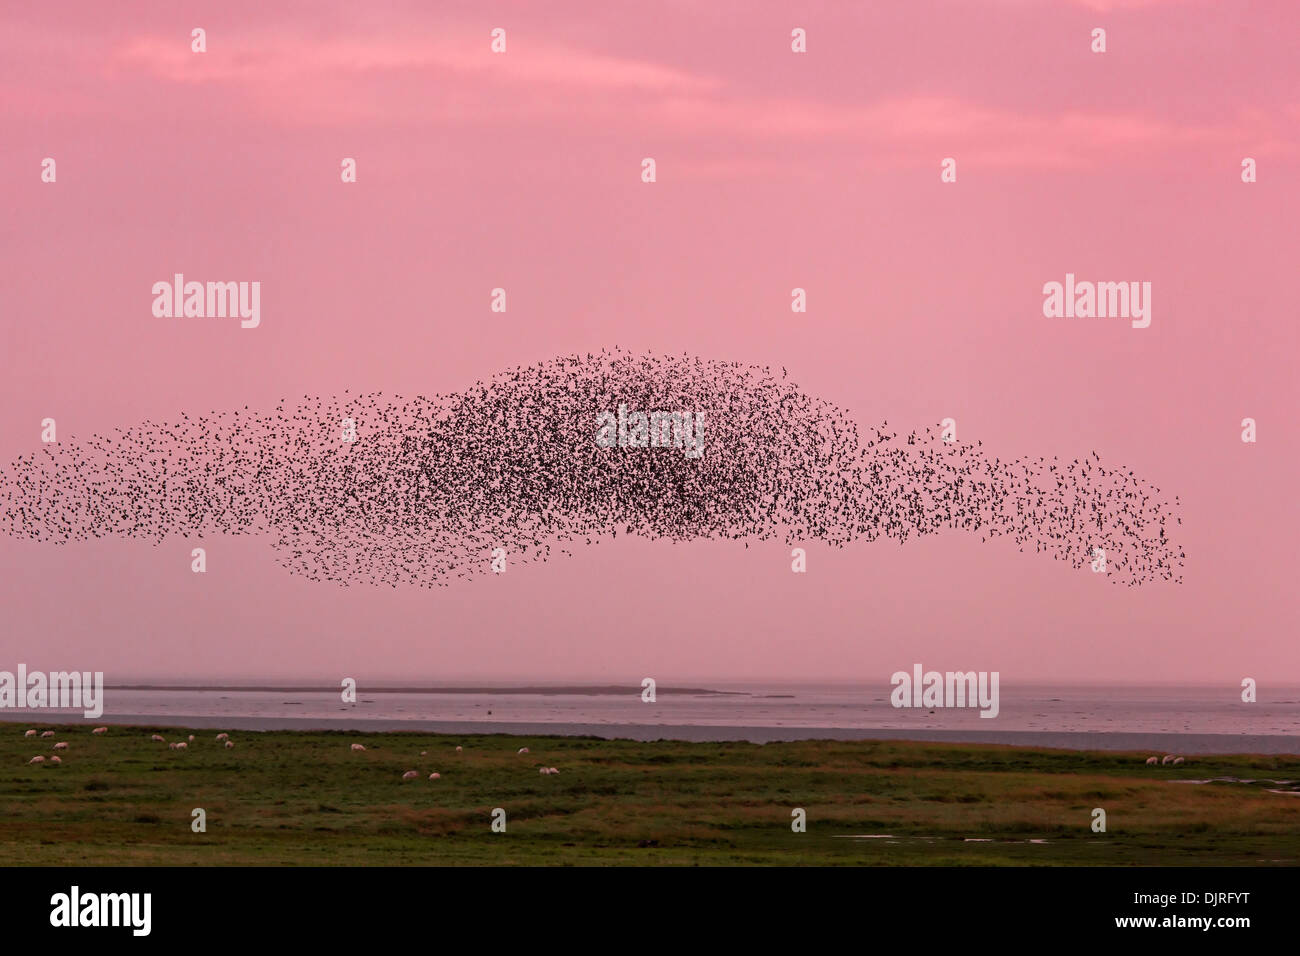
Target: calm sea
{"x": 757, "y": 711}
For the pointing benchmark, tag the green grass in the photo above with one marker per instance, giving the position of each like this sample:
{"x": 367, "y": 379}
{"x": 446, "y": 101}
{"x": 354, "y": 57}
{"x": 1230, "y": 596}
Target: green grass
{"x": 306, "y": 798}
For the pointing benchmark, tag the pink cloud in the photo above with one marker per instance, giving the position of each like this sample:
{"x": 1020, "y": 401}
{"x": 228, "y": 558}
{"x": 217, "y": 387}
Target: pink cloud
{"x": 427, "y": 80}
{"x": 266, "y": 59}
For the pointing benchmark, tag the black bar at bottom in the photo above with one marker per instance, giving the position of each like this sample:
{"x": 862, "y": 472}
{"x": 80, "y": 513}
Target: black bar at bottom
{"x": 330, "y": 905}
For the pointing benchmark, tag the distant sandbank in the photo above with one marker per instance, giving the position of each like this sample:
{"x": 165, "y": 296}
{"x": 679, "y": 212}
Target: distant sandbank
{"x": 568, "y": 690}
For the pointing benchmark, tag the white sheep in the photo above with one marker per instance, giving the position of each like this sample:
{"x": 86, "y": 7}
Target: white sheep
{"x": 410, "y": 775}
{"x": 1177, "y": 761}
{"x": 55, "y": 760}
{"x": 48, "y": 733}
{"x": 191, "y": 738}
{"x": 1152, "y": 760}
{"x": 171, "y": 746}
{"x": 61, "y": 745}
{"x": 356, "y": 747}
{"x": 543, "y": 770}
{"x": 523, "y": 750}
{"x": 37, "y": 760}
{"x": 223, "y": 736}
{"x": 459, "y": 749}
{"x": 100, "y": 730}
{"x": 229, "y": 744}
{"x": 553, "y": 770}
{"x": 182, "y": 745}
{"x": 1168, "y": 758}
{"x": 435, "y": 776}
{"x": 30, "y": 733}
{"x": 159, "y": 738}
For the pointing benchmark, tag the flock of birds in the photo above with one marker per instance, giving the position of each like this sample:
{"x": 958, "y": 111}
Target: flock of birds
{"x": 427, "y": 489}
{"x": 224, "y": 739}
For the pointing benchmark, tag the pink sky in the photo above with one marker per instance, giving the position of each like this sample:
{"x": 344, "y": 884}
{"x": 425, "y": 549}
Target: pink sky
{"x": 775, "y": 170}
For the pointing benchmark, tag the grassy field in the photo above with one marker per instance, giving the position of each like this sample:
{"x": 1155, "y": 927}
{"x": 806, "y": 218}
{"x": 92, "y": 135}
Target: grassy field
{"x": 306, "y": 798}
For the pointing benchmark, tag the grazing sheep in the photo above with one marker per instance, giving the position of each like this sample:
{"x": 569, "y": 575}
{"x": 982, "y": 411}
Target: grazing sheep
{"x": 1177, "y": 761}
{"x": 358, "y": 747}
{"x": 61, "y": 745}
{"x": 171, "y": 746}
{"x": 37, "y": 760}
{"x": 543, "y": 770}
{"x": 459, "y": 749}
{"x": 435, "y": 776}
{"x": 100, "y": 730}
{"x": 1168, "y": 758}
{"x": 182, "y": 745}
{"x": 1153, "y": 760}
{"x": 553, "y": 770}
{"x": 229, "y": 744}
{"x": 191, "y": 738}
{"x": 423, "y": 752}
{"x": 159, "y": 738}
{"x": 410, "y": 775}
{"x": 223, "y": 736}
{"x": 48, "y": 733}
{"x": 523, "y": 750}
{"x": 30, "y": 733}
{"x": 55, "y": 760}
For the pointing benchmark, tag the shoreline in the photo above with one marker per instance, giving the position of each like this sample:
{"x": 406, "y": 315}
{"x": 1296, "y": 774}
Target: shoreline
{"x": 1181, "y": 743}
